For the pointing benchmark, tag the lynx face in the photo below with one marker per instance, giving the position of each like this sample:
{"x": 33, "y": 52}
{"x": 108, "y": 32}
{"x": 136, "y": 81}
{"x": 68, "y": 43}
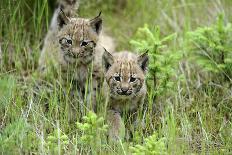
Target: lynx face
{"x": 125, "y": 73}
{"x": 78, "y": 38}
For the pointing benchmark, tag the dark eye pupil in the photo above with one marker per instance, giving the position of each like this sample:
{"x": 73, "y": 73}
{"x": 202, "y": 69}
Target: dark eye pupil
{"x": 132, "y": 79}
{"x": 69, "y": 41}
{"x": 117, "y": 78}
{"x": 84, "y": 43}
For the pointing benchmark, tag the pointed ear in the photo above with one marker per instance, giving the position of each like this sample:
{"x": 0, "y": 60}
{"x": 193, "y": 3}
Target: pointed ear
{"x": 143, "y": 61}
{"x": 107, "y": 60}
{"x": 62, "y": 19}
{"x": 96, "y": 24}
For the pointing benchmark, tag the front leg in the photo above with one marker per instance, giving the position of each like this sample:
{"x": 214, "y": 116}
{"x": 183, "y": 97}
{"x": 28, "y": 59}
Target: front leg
{"x": 116, "y": 126}
{"x": 97, "y": 83}
{"x": 95, "y": 86}
{"x": 136, "y": 118}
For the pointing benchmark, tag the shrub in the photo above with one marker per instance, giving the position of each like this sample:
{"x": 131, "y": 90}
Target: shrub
{"x": 92, "y": 132}
{"x": 57, "y": 142}
{"x": 152, "y": 146}
{"x": 211, "y": 49}
{"x": 162, "y": 62}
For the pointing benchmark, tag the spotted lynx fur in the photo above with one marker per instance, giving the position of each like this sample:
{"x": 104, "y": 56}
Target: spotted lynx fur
{"x": 125, "y": 83}
{"x": 70, "y": 8}
{"x": 74, "y": 49}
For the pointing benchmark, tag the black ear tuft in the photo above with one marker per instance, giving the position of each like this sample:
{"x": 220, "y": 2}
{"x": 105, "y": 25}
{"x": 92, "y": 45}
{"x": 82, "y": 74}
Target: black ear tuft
{"x": 62, "y": 19}
{"x": 143, "y": 61}
{"x": 107, "y": 60}
{"x": 96, "y": 24}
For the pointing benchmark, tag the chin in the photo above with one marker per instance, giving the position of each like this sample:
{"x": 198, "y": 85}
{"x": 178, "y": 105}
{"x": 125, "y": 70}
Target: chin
{"x": 129, "y": 96}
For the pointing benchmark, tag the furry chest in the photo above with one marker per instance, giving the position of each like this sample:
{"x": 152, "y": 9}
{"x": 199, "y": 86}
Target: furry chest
{"x": 78, "y": 74}
{"x": 124, "y": 105}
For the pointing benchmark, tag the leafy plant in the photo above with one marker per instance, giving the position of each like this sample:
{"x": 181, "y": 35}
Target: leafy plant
{"x": 57, "y": 142}
{"x": 92, "y": 132}
{"x": 152, "y": 146}
{"x": 212, "y": 48}
{"x": 161, "y": 61}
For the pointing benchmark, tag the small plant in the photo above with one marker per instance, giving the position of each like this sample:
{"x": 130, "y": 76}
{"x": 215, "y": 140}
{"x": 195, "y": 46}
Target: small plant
{"x": 161, "y": 63}
{"x": 92, "y": 132}
{"x": 57, "y": 142}
{"x": 152, "y": 146}
{"x": 212, "y": 49}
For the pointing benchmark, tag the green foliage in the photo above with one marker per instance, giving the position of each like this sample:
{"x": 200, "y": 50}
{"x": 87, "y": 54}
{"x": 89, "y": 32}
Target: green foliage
{"x": 152, "y": 146}
{"x": 7, "y": 87}
{"x": 212, "y": 48}
{"x": 57, "y": 142}
{"x": 92, "y": 132}
{"x": 162, "y": 62}
{"x": 101, "y": 5}
{"x": 18, "y": 136}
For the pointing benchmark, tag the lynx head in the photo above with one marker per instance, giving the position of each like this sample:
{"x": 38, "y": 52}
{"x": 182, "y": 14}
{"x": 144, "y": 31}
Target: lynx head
{"x": 78, "y": 37}
{"x": 125, "y": 73}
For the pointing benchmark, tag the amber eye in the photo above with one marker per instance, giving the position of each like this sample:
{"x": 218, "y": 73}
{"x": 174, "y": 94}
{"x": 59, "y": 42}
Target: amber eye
{"x": 117, "y": 78}
{"x": 132, "y": 79}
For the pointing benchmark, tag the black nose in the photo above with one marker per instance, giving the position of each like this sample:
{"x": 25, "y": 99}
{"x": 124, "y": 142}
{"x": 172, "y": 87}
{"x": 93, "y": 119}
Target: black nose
{"x": 83, "y": 43}
{"x": 124, "y": 90}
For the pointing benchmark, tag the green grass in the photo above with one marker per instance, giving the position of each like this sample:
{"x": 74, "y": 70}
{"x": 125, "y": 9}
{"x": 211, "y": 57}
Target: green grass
{"x": 36, "y": 116}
